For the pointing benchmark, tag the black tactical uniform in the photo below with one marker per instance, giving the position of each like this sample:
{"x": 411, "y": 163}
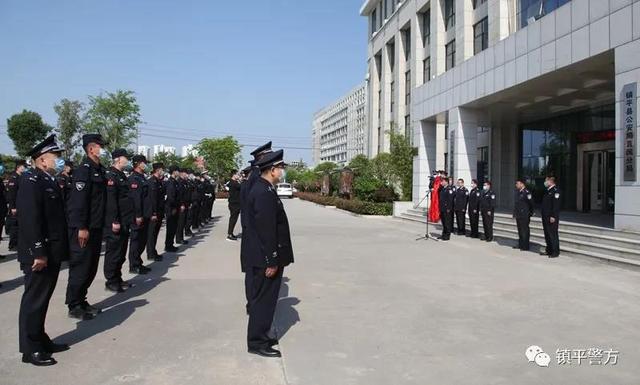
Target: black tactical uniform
{"x": 551, "y": 209}
{"x": 487, "y": 209}
{"x": 446, "y": 201}
{"x": 119, "y": 211}
{"x": 522, "y": 212}
{"x": 189, "y": 187}
{"x": 474, "y": 211}
{"x": 86, "y": 209}
{"x": 141, "y": 202}
{"x": 172, "y": 208}
{"x": 11, "y": 223}
{"x": 197, "y": 194}
{"x": 64, "y": 181}
{"x": 183, "y": 196}
{"x": 156, "y": 200}
{"x": 460, "y": 207}
{"x": 234, "y": 205}
{"x": 210, "y": 193}
{"x": 268, "y": 245}
{"x": 43, "y": 233}
{"x": 3, "y": 207}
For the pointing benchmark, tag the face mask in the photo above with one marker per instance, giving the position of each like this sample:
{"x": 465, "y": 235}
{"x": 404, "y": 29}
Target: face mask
{"x": 1, "y": 169}
{"x": 103, "y": 152}
{"x": 546, "y": 184}
{"x": 485, "y": 188}
{"x": 473, "y": 185}
{"x": 128, "y": 166}
{"x": 59, "y": 167}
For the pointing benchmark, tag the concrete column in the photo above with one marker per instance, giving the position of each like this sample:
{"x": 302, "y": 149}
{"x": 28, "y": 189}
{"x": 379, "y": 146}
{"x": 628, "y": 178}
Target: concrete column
{"x": 464, "y": 30}
{"x": 438, "y": 38}
{"x": 374, "y": 86}
{"x": 423, "y": 164}
{"x": 441, "y": 145}
{"x": 627, "y": 68}
{"x": 463, "y": 126}
{"x": 501, "y": 17}
{"x": 504, "y": 161}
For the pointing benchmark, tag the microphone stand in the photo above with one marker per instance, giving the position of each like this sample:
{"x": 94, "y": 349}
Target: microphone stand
{"x": 426, "y": 236}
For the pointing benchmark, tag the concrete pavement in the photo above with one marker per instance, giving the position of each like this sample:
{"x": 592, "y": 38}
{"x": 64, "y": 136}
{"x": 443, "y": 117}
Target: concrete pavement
{"x": 365, "y": 303}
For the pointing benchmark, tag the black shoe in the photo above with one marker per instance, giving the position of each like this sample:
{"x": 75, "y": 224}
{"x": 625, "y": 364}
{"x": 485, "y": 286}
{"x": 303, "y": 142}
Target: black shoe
{"x": 189, "y": 234}
{"x": 2, "y": 257}
{"x": 139, "y": 270}
{"x": 57, "y": 348}
{"x": 231, "y": 238}
{"x": 125, "y": 285}
{"x": 489, "y": 239}
{"x": 39, "y": 359}
{"x": 266, "y": 352}
{"x": 184, "y": 242}
{"x": 171, "y": 249}
{"x": 113, "y": 287}
{"x": 273, "y": 341}
{"x": 155, "y": 258}
{"x": 94, "y": 311}
{"x": 515, "y": 247}
{"x": 12, "y": 248}
{"x": 543, "y": 253}
{"x": 78, "y": 312}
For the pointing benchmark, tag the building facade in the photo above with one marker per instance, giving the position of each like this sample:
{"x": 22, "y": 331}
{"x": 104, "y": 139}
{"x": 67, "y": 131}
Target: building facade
{"x": 500, "y": 89}
{"x": 339, "y": 131}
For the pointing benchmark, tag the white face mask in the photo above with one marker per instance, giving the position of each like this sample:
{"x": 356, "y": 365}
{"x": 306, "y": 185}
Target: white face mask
{"x": 473, "y": 185}
{"x": 485, "y": 187}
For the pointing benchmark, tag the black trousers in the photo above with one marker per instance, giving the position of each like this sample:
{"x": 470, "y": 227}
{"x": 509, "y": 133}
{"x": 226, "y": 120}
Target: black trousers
{"x": 523, "y": 232}
{"x": 248, "y": 278}
{"x": 83, "y": 265}
{"x": 152, "y": 239}
{"x": 474, "y": 221}
{"x": 262, "y": 306}
{"x": 189, "y": 220}
{"x": 137, "y": 243}
{"x": 447, "y": 224}
{"x": 234, "y": 212}
{"x": 181, "y": 223}
{"x": 115, "y": 253}
{"x": 487, "y": 224}
{"x": 172, "y": 227}
{"x": 461, "y": 221}
{"x": 195, "y": 215}
{"x": 38, "y": 288}
{"x": 11, "y": 225}
{"x": 551, "y": 237}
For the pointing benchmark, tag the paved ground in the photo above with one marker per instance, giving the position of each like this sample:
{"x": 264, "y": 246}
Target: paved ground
{"x": 365, "y": 303}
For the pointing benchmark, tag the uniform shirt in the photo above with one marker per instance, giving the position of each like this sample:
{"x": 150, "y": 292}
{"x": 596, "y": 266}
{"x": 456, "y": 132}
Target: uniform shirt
{"x": 3, "y": 202}
{"x": 446, "y": 199}
{"x": 64, "y": 181}
{"x": 156, "y": 196}
{"x": 139, "y": 195}
{"x": 268, "y": 239}
{"x": 551, "y": 203}
{"x": 172, "y": 201}
{"x": 12, "y": 190}
{"x": 474, "y": 200}
{"x": 88, "y": 197}
{"x": 234, "y": 193}
{"x": 460, "y": 199}
{"x": 488, "y": 201}
{"x": 119, "y": 208}
{"x": 43, "y": 227}
{"x": 523, "y": 208}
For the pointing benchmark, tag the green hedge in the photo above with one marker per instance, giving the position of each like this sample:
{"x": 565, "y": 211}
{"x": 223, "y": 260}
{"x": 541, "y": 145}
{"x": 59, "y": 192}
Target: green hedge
{"x": 355, "y": 205}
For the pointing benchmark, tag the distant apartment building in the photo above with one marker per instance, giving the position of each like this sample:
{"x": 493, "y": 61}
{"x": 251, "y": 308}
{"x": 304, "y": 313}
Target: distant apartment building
{"x": 188, "y": 150}
{"x": 144, "y": 150}
{"x": 339, "y": 131}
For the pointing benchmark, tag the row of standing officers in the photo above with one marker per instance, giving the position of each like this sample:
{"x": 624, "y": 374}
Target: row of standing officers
{"x": 457, "y": 201}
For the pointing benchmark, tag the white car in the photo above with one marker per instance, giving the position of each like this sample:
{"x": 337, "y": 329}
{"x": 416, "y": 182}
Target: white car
{"x": 284, "y": 190}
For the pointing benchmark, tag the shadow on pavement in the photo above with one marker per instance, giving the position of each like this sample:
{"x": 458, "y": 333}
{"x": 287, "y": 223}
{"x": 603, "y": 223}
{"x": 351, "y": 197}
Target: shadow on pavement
{"x": 286, "y": 313}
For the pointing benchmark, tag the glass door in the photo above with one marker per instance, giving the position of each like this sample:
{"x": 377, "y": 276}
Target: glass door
{"x": 599, "y": 186}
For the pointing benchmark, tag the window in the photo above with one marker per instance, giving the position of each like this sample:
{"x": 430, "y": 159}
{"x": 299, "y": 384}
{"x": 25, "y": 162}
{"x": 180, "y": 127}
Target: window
{"x": 481, "y": 36}
{"x": 477, "y": 3}
{"x": 392, "y": 98}
{"x": 530, "y": 10}
{"x": 449, "y": 14}
{"x": 374, "y": 21}
{"x": 407, "y": 88}
{"x": 385, "y": 6}
{"x": 407, "y": 44}
{"x": 426, "y": 69}
{"x": 450, "y": 51}
{"x": 408, "y": 132}
{"x": 391, "y": 52}
{"x": 426, "y": 27}
{"x": 482, "y": 165}
{"x": 379, "y": 104}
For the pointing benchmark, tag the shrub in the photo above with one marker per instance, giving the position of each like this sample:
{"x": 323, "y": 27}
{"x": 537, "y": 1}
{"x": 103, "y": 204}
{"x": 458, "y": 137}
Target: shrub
{"x": 354, "y": 205}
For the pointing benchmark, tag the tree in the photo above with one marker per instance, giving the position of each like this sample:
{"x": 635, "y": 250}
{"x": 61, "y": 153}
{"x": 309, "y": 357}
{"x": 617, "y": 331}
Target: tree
{"x": 70, "y": 124}
{"x": 222, "y": 155}
{"x": 115, "y": 116}
{"x": 383, "y": 170}
{"x": 26, "y": 129}
{"x": 188, "y": 161}
{"x": 325, "y": 166}
{"x": 168, "y": 159}
{"x": 360, "y": 165}
{"x": 402, "y": 154}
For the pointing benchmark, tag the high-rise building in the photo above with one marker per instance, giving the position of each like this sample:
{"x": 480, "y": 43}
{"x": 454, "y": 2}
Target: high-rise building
{"x": 144, "y": 150}
{"x": 187, "y": 150}
{"x": 339, "y": 130}
{"x": 500, "y": 89}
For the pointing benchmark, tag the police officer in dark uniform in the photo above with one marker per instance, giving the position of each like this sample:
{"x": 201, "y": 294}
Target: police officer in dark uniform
{"x": 269, "y": 250}
{"x": 473, "y": 208}
{"x": 172, "y": 207}
{"x": 522, "y": 212}
{"x": 142, "y": 214}
{"x": 42, "y": 247}
{"x": 3, "y": 205}
{"x": 118, "y": 218}
{"x": 487, "y": 210}
{"x": 86, "y": 208}
{"x": 252, "y": 175}
{"x": 551, "y": 217}
{"x": 446, "y": 201}
{"x": 64, "y": 179}
{"x": 196, "y": 198}
{"x": 190, "y": 186}
{"x": 156, "y": 195}
{"x": 461, "y": 197}
{"x": 234, "y": 204}
{"x": 183, "y": 196}
{"x": 11, "y": 223}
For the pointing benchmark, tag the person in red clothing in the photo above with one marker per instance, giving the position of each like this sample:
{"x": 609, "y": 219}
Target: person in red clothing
{"x": 434, "y": 205}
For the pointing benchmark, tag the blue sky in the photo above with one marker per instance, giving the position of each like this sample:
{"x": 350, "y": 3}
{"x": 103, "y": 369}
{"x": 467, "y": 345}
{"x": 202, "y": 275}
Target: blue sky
{"x": 256, "y": 68}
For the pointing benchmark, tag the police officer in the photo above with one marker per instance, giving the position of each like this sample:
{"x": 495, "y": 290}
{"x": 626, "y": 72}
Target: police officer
{"x": 86, "y": 208}
{"x": 42, "y": 247}
{"x": 172, "y": 207}
{"x": 461, "y": 197}
{"x": 3, "y": 205}
{"x": 196, "y": 198}
{"x": 551, "y": 217}
{"x": 522, "y": 212}
{"x": 473, "y": 208}
{"x": 446, "y": 202}
{"x": 234, "y": 204}
{"x": 269, "y": 250}
{"x": 189, "y": 187}
{"x": 487, "y": 210}
{"x": 183, "y": 197}
{"x": 12, "y": 215}
{"x": 64, "y": 179}
{"x": 118, "y": 218}
{"x": 142, "y": 214}
{"x": 156, "y": 198}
